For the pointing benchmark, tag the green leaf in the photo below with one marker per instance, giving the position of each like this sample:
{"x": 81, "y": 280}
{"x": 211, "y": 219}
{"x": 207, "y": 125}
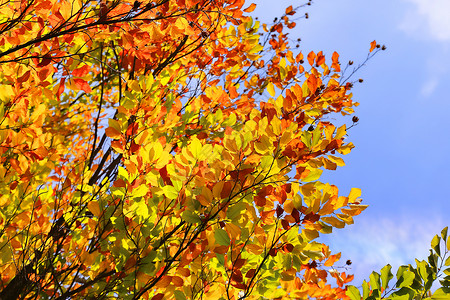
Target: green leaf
{"x": 435, "y": 244}
{"x": 404, "y": 293}
{"x": 400, "y": 297}
{"x": 444, "y": 233}
{"x": 433, "y": 260}
{"x": 425, "y": 272}
{"x": 234, "y": 211}
{"x": 442, "y": 293}
{"x": 221, "y": 259}
{"x": 147, "y": 264}
{"x": 114, "y": 124}
{"x": 353, "y": 293}
{"x": 406, "y": 279}
{"x": 190, "y": 217}
{"x": 375, "y": 281}
{"x": 445, "y": 283}
{"x": 366, "y": 289}
{"x": 386, "y": 276}
{"x": 179, "y": 295}
{"x": 222, "y": 237}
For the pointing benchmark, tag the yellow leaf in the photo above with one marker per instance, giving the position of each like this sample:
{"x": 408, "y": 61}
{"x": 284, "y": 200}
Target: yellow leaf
{"x": 355, "y": 193}
{"x": 195, "y": 147}
{"x": 335, "y": 222}
{"x": 340, "y": 132}
{"x": 6, "y": 92}
{"x": 271, "y": 89}
{"x": 340, "y": 202}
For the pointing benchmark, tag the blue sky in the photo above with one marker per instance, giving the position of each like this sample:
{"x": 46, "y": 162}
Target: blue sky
{"x": 401, "y": 160}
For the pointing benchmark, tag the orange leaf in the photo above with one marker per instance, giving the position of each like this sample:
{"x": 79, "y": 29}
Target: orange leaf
{"x": 311, "y": 58}
{"x": 250, "y": 8}
{"x": 289, "y": 10}
{"x": 335, "y": 57}
{"x": 312, "y": 83}
{"x": 112, "y": 133}
{"x": 320, "y": 59}
{"x": 332, "y": 259}
{"x": 372, "y": 45}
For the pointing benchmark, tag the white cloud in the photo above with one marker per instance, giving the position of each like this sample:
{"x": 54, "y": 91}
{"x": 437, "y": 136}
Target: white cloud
{"x": 429, "y": 87}
{"x": 430, "y": 18}
{"x": 373, "y": 243}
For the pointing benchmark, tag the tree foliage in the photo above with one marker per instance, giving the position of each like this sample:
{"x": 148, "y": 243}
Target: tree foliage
{"x": 412, "y": 282}
{"x": 166, "y": 149}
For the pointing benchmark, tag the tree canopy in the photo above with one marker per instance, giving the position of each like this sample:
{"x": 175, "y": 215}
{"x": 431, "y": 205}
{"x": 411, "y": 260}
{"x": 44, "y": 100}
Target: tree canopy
{"x": 172, "y": 149}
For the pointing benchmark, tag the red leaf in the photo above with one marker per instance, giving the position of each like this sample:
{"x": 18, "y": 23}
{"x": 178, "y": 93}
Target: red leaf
{"x": 239, "y": 263}
{"x": 165, "y": 176}
{"x": 119, "y": 183}
{"x": 226, "y": 190}
{"x": 24, "y": 77}
{"x": 289, "y": 247}
{"x": 83, "y": 85}
{"x": 45, "y": 61}
{"x": 296, "y": 215}
{"x": 132, "y": 129}
{"x": 158, "y": 296}
{"x": 279, "y": 211}
{"x": 13, "y": 185}
{"x": 237, "y": 276}
{"x": 285, "y": 224}
{"x": 60, "y": 88}
{"x": 311, "y": 218}
{"x": 134, "y": 147}
{"x": 80, "y": 72}
{"x": 250, "y": 273}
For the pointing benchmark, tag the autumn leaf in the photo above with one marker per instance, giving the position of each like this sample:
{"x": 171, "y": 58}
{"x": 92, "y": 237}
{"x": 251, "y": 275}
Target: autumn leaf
{"x": 373, "y": 44}
{"x": 250, "y": 8}
{"x": 141, "y": 156}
